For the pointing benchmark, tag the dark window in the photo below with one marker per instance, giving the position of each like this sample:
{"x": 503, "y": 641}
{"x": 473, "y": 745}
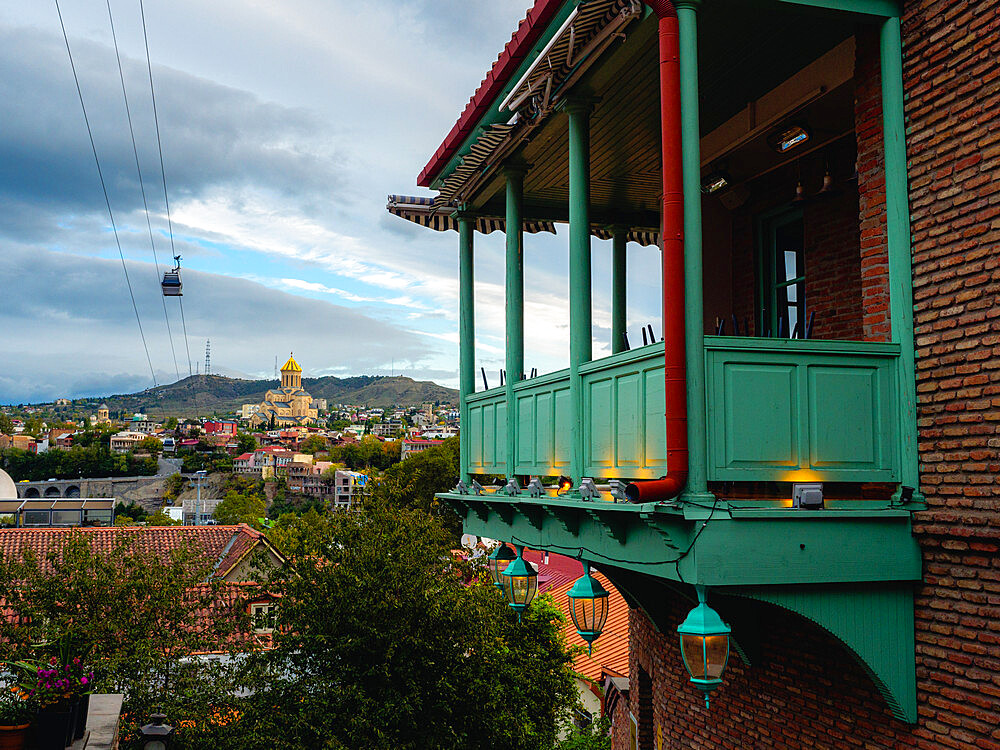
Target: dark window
{"x": 784, "y": 275}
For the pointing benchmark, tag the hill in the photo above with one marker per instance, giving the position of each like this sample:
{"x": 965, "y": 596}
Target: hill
{"x": 201, "y": 395}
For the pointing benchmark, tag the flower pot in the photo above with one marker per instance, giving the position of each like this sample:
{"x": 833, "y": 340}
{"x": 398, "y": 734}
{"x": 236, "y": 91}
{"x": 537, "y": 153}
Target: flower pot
{"x": 13, "y": 737}
{"x": 53, "y": 726}
{"x": 74, "y": 710}
{"x": 82, "y": 709}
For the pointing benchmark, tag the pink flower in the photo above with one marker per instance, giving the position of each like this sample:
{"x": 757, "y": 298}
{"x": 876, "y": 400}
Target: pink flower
{"x": 83, "y": 680}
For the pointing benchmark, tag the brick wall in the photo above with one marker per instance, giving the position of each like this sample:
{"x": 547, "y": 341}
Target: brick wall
{"x": 803, "y": 691}
{"x": 952, "y": 78}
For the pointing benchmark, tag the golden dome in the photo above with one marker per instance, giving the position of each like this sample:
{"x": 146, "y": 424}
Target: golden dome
{"x": 291, "y": 365}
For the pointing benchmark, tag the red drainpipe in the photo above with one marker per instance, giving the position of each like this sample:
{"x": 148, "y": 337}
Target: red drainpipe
{"x": 674, "y": 371}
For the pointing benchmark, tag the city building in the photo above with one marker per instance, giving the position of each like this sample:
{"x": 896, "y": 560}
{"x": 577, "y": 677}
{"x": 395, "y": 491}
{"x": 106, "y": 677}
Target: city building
{"x": 348, "y": 485}
{"x": 266, "y": 462}
{"x": 411, "y": 446}
{"x": 125, "y": 441}
{"x": 289, "y": 405}
{"x": 388, "y": 429}
{"x": 811, "y": 164}
{"x": 219, "y": 427}
{"x": 247, "y": 411}
{"x": 103, "y": 415}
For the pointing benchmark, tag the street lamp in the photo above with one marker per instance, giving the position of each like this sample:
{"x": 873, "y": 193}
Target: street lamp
{"x": 499, "y": 560}
{"x": 519, "y": 582}
{"x": 156, "y": 735}
{"x": 704, "y": 645}
{"x": 588, "y": 606}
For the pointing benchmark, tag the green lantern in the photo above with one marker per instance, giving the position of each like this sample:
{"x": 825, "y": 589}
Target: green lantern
{"x": 588, "y": 606}
{"x": 499, "y": 560}
{"x": 519, "y": 582}
{"x": 704, "y": 645}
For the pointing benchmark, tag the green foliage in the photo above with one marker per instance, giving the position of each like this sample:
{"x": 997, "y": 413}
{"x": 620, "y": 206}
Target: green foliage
{"x": 313, "y": 444}
{"x": 211, "y": 460}
{"x": 239, "y": 507}
{"x": 596, "y": 736}
{"x": 384, "y": 645}
{"x": 151, "y": 445}
{"x": 175, "y": 486}
{"x": 135, "y": 613}
{"x": 160, "y": 518}
{"x": 6, "y": 424}
{"x": 245, "y": 443}
{"x": 133, "y": 510}
{"x": 170, "y": 423}
{"x": 338, "y": 424}
{"x": 366, "y": 454}
{"x": 78, "y": 461}
{"x": 412, "y": 483}
{"x": 295, "y": 505}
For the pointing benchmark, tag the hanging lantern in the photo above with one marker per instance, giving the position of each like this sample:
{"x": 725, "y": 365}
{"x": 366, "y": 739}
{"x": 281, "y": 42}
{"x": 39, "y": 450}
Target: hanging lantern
{"x": 588, "y": 606}
{"x": 520, "y": 582}
{"x": 704, "y": 645}
{"x": 499, "y": 560}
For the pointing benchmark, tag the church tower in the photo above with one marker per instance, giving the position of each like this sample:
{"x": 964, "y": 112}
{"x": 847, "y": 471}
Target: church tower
{"x": 291, "y": 374}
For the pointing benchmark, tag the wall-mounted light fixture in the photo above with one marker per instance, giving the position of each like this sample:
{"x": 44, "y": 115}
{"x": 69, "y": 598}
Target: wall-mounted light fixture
{"x": 588, "y": 606}
{"x": 808, "y": 496}
{"x": 565, "y": 484}
{"x": 704, "y": 645}
{"x": 499, "y": 560}
{"x": 715, "y": 181}
{"x": 785, "y": 139}
{"x": 519, "y": 582}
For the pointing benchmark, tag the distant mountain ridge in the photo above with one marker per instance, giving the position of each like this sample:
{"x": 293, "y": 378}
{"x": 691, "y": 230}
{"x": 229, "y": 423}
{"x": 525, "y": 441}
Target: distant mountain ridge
{"x": 200, "y": 395}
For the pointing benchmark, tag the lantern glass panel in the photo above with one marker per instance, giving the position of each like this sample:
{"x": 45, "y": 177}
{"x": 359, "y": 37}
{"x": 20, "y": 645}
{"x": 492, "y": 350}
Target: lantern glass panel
{"x": 522, "y": 589}
{"x": 496, "y": 568}
{"x": 716, "y": 655}
{"x": 589, "y": 614}
{"x": 693, "y": 651}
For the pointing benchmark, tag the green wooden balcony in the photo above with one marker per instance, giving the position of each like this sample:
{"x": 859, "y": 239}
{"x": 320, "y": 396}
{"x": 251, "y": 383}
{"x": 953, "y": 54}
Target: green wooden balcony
{"x": 778, "y": 410}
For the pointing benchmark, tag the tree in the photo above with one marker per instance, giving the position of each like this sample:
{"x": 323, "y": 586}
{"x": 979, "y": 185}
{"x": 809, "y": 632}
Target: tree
{"x": 238, "y": 507}
{"x": 245, "y": 443}
{"x": 6, "y": 424}
{"x": 170, "y": 423}
{"x": 413, "y": 483}
{"x": 133, "y": 511}
{"x": 160, "y": 518}
{"x": 174, "y": 487}
{"x": 382, "y": 644}
{"x": 151, "y": 445}
{"x": 313, "y": 444}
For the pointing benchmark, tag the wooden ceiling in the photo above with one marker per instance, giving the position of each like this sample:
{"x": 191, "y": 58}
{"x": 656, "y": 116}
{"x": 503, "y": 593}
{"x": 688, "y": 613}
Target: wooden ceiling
{"x": 744, "y": 51}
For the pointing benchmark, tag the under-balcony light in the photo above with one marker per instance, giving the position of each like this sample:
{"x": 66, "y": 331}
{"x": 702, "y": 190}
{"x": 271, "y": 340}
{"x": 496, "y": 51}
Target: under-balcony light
{"x": 714, "y": 182}
{"x": 565, "y": 484}
{"x": 499, "y": 560}
{"x": 786, "y": 139}
{"x": 588, "y": 606}
{"x": 704, "y": 645}
{"x": 808, "y": 496}
{"x": 520, "y": 583}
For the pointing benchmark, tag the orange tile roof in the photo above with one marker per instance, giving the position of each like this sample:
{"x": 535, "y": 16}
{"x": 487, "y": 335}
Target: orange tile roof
{"x": 611, "y": 649}
{"x": 221, "y": 546}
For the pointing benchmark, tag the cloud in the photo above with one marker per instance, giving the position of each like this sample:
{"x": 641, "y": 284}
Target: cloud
{"x": 91, "y": 343}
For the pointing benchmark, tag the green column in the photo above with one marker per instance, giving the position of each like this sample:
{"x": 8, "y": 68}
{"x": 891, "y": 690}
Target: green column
{"x": 466, "y": 332}
{"x": 618, "y": 289}
{"x": 898, "y": 231}
{"x": 694, "y": 324}
{"x": 515, "y": 300}
{"x": 580, "y": 329}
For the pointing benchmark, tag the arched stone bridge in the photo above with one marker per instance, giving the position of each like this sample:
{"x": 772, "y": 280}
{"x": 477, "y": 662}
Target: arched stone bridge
{"x": 106, "y": 487}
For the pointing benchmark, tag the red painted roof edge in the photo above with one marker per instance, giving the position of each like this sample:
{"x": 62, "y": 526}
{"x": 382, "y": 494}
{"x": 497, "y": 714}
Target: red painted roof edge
{"x": 510, "y": 58}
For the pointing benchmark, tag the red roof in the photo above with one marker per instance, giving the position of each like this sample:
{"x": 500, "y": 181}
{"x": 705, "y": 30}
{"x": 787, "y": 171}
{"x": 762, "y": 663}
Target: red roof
{"x": 222, "y": 547}
{"x": 610, "y": 651}
{"x": 244, "y": 457}
{"x": 506, "y": 64}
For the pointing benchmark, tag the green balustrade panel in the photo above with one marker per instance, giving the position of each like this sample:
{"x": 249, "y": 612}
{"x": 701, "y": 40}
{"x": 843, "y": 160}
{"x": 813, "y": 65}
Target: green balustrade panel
{"x": 487, "y": 432}
{"x": 787, "y": 410}
{"x": 544, "y": 436}
{"x": 624, "y": 430}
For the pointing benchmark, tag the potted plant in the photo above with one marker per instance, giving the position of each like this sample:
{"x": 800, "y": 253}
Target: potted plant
{"x": 52, "y": 691}
{"x": 17, "y": 711}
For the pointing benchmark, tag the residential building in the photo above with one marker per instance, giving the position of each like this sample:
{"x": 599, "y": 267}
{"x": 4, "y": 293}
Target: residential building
{"x": 219, "y": 427}
{"x": 247, "y": 411}
{"x": 811, "y": 164}
{"x": 264, "y": 462}
{"x": 290, "y": 404}
{"x": 126, "y": 440}
{"x": 411, "y": 446}
{"x": 388, "y": 429}
{"x": 21, "y": 442}
{"x": 348, "y": 485}
{"x": 142, "y": 423}
{"x": 57, "y": 512}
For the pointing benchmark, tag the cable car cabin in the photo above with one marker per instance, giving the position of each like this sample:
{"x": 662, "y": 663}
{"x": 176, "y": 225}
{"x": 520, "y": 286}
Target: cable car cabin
{"x": 171, "y": 284}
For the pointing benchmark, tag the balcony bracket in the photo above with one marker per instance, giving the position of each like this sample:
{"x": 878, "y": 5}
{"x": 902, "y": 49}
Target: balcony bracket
{"x": 502, "y": 509}
{"x": 650, "y": 520}
{"x": 614, "y": 523}
{"x": 532, "y": 513}
{"x": 567, "y": 518}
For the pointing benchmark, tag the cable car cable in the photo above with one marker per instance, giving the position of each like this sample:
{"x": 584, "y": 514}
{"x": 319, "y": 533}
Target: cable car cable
{"x": 163, "y": 174}
{"x": 142, "y": 188}
{"x": 107, "y": 200}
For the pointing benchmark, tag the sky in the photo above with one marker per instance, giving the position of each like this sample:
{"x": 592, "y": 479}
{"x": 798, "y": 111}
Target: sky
{"x": 284, "y": 126}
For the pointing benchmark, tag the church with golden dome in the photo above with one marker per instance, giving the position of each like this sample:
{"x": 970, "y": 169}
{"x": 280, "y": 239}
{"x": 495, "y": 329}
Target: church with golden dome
{"x": 290, "y": 405}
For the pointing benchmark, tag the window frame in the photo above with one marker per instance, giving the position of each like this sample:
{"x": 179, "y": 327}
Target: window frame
{"x": 768, "y": 285}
